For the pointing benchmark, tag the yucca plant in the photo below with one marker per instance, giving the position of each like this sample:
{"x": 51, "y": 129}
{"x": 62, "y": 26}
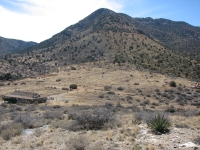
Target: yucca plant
{"x": 160, "y": 124}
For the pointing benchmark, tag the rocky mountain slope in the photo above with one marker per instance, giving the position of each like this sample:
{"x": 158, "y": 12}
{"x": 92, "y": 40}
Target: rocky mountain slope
{"x": 178, "y": 36}
{"x": 108, "y": 36}
{"x": 12, "y": 45}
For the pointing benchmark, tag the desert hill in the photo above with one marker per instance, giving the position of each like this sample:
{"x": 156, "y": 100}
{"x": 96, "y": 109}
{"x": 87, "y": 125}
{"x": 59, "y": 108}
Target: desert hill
{"x": 106, "y": 35}
{"x": 126, "y": 97}
{"x": 107, "y": 85}
{"x": 12, "y": 45}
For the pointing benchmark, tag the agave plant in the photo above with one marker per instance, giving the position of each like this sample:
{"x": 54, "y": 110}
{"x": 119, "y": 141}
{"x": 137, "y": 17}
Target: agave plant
{"x": 160, "y": 124}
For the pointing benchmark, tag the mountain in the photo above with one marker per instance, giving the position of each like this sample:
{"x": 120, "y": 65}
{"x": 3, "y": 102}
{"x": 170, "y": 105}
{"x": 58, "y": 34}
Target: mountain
{"x": 118, "y": 38}
{"x": 12, "y": 45}
{"x": 178, "y": 36}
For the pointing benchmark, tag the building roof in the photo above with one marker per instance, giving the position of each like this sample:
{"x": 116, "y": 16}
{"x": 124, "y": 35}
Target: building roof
{"x": 23, "y": 95}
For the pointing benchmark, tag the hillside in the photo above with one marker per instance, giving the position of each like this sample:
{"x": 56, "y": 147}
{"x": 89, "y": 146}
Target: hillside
{"x": 178, "y": 36}
{"x": 102, "y": 84}
{"x": 103, "y": 36}
{"x": 12, "y": 45}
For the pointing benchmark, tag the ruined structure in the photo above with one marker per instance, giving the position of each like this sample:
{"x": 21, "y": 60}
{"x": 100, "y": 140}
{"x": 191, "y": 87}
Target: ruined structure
{"x": 24, "y": 97}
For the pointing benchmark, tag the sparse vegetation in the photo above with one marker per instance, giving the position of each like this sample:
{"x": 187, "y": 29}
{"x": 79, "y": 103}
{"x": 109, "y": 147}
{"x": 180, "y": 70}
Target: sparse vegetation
{"x": 73, "y": 86}
{"x": 92, "y": 119}
{"x": 11, "y": 130}
{"x": 77, "y": 143}
{"x": 114, "y": 102}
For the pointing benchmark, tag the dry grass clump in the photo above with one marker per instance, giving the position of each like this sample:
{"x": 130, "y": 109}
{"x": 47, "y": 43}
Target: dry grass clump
{"x": 53, "y": 115}
{"x": 107, "y": 87}
{"x": 26, "y": 120}
{"x": 10, "y": 130}
{"x": 91, "y": 119}
{"x": 77, "y": 143}
{"x": 120, "y": 88}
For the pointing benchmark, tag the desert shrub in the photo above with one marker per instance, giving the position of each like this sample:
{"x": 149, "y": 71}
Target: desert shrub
{"x": 77, "y": 143}
{"x": 7, "y": 76}
{"x": 195, "y": 103}
{"x": 137, "y": 147}
{"x": 182, "y": 103}
{"x": 73, "y": 68}
{"x": 101, "y": 95}
{"x": 179, "y": 88}
{"x": 158, "y": 93}
{"x": 107, "y": 88}
{"x": 53, "y": 115}
{"x": 108, "y": 105}
{"x": 30, "y": 108}
{"x": 142, "y": 104}
{"x": 111, "y": 92}
{"x": 129, "y": 97}
{"x": 182, "y": 126}
{"x": 146, "y": 102}
{"x": 119, "y": 105}
{"x": 171, "y": 97}
{"x": 56, "y": 106}
{"x": 197, "y": 140}
{"x": 26, "y": 120}
{"x": 139, "y": 90}
{"x": 142, "y": 116}
{"x": 155, "y": 104}
{"x": 134, "y": 108}
{"x": 198, "y": 91}
{"x": 159, "y": 123}
{"x": 164, "y": 95}
{"x": 96, "y": 146}
{"x": 92, "y": 119}
{"x": 120, "y": 88}
{"x": 11, "y": 130}
{"x": 45, "y": 108}
{"x": 72, "y": 115}
{"x": 171, "y": 110}
{"x": 23, "y": 83}
{"x": 4, "y": 105}
{"x": 58, "y": 80}
{"x": 172, "y": 84}
{"x": 73, "y": 86}
{"x": 59, "y": 124}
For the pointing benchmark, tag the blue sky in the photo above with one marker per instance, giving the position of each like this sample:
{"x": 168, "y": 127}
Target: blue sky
{"x": 37, "y": 20}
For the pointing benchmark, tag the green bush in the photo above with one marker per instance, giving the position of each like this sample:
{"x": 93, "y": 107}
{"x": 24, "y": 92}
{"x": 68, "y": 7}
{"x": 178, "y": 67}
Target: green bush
{"x": 160, "y": 124}
{"x": 73, "y": 86}
{"x": 172, "y": 84}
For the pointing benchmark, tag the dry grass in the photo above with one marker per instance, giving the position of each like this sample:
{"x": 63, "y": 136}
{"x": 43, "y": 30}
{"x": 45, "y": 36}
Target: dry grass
{"x": 91, "y": 84}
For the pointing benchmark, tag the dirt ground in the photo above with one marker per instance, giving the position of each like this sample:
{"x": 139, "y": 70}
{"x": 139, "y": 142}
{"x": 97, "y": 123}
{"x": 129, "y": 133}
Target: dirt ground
{"x": 91, "y": 80}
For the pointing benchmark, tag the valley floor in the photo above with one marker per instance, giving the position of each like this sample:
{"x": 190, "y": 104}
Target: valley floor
{"x": 128, "y": 96}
